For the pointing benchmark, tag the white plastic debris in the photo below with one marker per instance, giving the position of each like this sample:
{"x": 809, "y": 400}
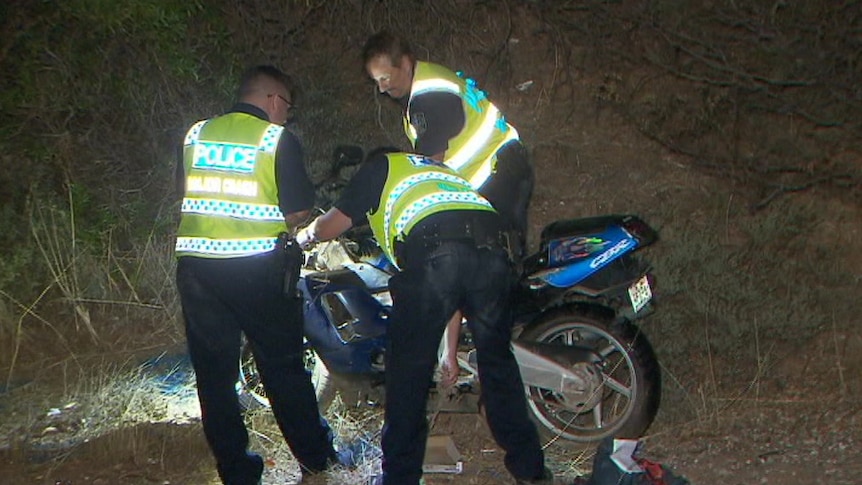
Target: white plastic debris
{"x": 623, "y": 455}
{"x": 524, "y": 85}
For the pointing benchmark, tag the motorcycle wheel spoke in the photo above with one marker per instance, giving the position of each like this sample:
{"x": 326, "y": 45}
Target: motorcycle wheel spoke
{"x": 554, "y": 406}
{"x": 606, "y": 351}
{"x": 598, "y": 422}
{"x": 567, "y": 419}
{"x": 617, "y": 386}
{"x": 570, "y": 337}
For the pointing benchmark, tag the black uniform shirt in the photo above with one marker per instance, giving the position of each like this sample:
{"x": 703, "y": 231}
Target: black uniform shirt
{"x": 295, "y": 190}
{"x": 362, "y": 193}
{"x": 437, "y": 118}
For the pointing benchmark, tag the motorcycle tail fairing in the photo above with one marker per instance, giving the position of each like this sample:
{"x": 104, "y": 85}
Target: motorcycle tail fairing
{"x": 572, "y": 251}
{"x": 590, "y": 225}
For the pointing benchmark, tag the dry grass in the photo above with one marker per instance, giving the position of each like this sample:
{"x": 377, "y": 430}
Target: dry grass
{"x": 126, "y": 419}
{"x": 121, "y": 420}
{"x": 141, "y": 423}
{"x": 78, "y": 404}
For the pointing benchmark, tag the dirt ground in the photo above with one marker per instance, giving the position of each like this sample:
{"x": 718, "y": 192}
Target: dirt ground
{"x": 801, "y": 441}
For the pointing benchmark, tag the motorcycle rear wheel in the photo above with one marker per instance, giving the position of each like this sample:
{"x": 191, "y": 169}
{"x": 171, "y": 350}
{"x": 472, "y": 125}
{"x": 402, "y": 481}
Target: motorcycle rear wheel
{"x": 252, "y": 394}
{"x": 630, "y": 384}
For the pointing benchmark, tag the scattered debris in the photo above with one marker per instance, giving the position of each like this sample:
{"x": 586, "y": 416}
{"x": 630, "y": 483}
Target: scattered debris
{"x": 441, "y": 456}
{"x": 524, "y": 86}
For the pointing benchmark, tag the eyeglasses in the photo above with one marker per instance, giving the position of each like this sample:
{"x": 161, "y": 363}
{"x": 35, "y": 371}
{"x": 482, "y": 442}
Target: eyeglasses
{"x": 290, "y": 106}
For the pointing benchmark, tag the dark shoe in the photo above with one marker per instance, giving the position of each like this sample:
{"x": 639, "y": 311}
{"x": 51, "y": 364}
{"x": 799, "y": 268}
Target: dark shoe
{"x": 247, "y": 470}
{"x": 547, "y": 478}
{"x": 346, "y": 456}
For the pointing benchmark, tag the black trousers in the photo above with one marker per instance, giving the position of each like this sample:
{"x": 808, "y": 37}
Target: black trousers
{"x": 509, "y": 190}
{"x": 432, "y": 285}
{"x": 220, "y": 299}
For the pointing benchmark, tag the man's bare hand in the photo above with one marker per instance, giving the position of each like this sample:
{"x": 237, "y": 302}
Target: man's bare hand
{"x": 305, "y": 237}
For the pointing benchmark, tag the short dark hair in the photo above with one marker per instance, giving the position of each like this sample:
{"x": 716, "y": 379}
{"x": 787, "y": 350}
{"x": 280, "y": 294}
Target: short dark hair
{"x": 386, "y": 43}
{"x": 252, "y": 76}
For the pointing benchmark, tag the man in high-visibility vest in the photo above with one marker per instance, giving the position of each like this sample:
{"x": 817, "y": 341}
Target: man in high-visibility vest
{"x": 447, "y": 242}
{"x": 245, "y": 187}
{"x": 448, "y": 118}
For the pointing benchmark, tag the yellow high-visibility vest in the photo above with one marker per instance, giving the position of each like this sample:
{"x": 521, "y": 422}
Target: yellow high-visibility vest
{"x": 473, "y": 151}
{"x": 230, "y": 207}
{"x": 415, "y": 188}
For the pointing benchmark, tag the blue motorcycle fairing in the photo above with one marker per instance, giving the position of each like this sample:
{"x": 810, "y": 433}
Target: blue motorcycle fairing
{"x": 355, "y": 355}
{"x": 381, "y": 262}
{"x": 573, "y": 259}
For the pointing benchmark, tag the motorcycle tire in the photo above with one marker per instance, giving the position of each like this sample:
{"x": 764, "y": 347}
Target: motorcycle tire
{"x": 252, "y": 395}
{"x": 624, "y": 409}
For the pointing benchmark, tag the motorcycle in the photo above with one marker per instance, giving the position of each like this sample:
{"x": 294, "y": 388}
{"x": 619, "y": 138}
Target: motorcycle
{"x": 588, "y": 370}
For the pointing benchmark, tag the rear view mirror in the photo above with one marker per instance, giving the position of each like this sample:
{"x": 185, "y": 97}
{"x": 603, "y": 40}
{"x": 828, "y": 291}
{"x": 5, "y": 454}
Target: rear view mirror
{"x": 346, "y": 156}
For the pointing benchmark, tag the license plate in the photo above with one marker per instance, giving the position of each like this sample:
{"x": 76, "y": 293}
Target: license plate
{"x": 640, "y": 293}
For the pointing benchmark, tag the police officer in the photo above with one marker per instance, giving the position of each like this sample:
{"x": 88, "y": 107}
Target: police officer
{"x": 445, "y": 239}
{"x": 245, "y": 184}
{"x": 448, "y": 118}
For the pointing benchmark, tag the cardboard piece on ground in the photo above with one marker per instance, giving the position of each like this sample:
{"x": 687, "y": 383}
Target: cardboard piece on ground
{"x": 441, "y": 456}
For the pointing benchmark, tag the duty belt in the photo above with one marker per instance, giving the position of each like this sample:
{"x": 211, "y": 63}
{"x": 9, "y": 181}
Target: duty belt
{"x": 428, "y": 236}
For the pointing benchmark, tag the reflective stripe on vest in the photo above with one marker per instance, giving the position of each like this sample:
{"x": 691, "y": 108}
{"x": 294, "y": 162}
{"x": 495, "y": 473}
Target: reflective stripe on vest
{"x": 473, "y": 151}
{"x": 215, "y": 207}
{"x": 435, "y": 85}
{"x": 480, "y": 139}
{"x": 430, "y": 200}
{"x": 225, "y": 247}
{"x": 430, "y": 189}
{"x": 417, "y": 206}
